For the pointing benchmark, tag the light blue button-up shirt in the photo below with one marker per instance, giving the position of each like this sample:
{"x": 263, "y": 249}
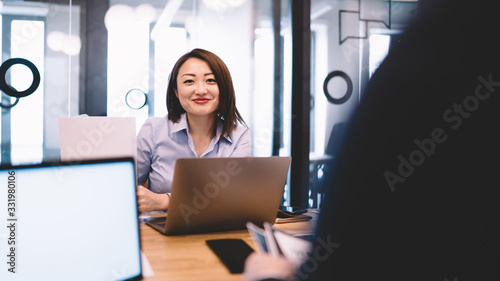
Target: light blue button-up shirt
{"x": 160, "y": 142}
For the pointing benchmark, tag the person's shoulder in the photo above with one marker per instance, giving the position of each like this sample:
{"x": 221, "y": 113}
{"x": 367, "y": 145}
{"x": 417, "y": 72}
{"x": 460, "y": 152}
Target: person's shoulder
{"x": 155, "y": 121}
{"x": 240, "y": 130}
{"x": 152, "y": 125}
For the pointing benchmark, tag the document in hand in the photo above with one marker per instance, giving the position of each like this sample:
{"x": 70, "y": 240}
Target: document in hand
{"x": 280, "y": 243}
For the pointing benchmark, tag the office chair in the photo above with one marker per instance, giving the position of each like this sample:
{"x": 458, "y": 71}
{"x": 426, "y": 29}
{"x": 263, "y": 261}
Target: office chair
{"x": 317, "y": 164}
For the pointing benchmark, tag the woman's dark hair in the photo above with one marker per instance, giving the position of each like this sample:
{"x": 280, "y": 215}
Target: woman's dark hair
{"x": 227, "y": 113}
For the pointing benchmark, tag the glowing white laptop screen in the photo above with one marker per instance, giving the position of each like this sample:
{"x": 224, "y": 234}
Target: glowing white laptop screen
{"x": 69, "y": 222}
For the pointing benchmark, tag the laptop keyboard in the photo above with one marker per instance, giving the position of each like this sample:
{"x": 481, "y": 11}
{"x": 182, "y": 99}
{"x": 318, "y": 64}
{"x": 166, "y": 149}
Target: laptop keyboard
{"x": 161, "y": 222}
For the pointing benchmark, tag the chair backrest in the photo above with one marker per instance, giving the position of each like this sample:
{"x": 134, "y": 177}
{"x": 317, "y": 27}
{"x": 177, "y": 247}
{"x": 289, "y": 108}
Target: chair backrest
{"x": 335, "y": 138}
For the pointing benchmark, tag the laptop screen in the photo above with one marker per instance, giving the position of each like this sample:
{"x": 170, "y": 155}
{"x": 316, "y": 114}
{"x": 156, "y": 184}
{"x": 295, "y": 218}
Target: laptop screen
{"x": 69, "y": 221}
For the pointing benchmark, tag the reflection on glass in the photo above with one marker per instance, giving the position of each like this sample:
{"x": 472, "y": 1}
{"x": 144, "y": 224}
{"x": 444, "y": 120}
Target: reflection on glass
{"x": 379, "y": 48}
{"x": 30, "y": 129}
{"x": 1, "y": 94}
{"x": 28, "y": 39}
{"x": 128, "y": 60}
{"x": 165, "y": 56}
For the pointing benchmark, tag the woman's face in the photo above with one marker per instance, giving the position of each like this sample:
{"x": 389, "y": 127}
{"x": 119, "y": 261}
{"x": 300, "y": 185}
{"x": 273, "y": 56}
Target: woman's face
{"x": 197, "y": 89}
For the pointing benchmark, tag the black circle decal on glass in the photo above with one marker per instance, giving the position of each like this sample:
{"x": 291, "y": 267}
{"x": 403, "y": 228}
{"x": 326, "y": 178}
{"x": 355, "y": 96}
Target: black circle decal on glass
{"x": 10, "y": 105}
{"x": 347, "y": 80}
{"x": 9, "y": 90}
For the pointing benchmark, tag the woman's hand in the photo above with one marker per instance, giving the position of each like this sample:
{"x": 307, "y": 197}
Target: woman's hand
{"x": 149, "y": 201}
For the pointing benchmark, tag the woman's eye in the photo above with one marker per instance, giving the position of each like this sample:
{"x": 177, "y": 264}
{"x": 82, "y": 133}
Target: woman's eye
{"x": 188, "y": 81}
{"x": 211, "y": 80}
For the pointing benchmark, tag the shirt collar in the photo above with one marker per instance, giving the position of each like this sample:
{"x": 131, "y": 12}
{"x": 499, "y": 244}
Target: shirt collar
{"x": 219, "y": 132}
{"x": 183, "y": 125}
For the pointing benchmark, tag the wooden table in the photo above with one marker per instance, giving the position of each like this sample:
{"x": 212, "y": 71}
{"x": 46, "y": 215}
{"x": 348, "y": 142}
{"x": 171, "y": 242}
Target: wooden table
{"x": 187, "y": 257}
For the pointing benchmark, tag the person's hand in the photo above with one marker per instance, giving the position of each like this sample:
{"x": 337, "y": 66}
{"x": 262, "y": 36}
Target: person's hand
{"x": 148, "y": 201}
{"x": 259, "y": 266}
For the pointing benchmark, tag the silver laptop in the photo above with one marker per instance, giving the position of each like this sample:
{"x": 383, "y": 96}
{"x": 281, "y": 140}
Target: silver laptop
{"x": 97, "y": 137}
{"x": 61, "y": 221}
{"x": 221, "y": 194}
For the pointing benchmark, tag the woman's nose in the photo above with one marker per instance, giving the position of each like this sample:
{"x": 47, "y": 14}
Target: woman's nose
{"x": 200, "y": 88}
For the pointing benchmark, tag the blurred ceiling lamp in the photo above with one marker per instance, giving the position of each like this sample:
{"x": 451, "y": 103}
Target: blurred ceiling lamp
{"x": 117, "y": 14}
{"x": 55, "y": 40}
{"x": 145, "y": 12}
{"x": 73, "y": 45}
{"x": 61, "y": 42}
{"x": 121, "y": 13}
{"x": 222, "y": 5}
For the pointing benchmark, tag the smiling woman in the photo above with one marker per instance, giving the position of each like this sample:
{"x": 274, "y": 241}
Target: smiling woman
{"x": 202, "y": 121}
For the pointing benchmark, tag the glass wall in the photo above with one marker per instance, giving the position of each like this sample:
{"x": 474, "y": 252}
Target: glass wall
{"x": 143, "y": 39}
{"x": 37, "y": 82}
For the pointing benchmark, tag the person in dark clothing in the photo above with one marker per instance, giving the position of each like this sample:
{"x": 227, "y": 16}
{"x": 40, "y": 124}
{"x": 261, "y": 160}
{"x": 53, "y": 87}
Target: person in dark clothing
{"x": 414, "y": 191}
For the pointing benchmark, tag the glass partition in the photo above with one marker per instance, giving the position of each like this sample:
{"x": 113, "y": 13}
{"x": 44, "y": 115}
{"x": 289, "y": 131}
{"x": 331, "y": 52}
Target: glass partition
{"x": 39, "y": 42}
{"x": 114, "y": 57}
{"x": 349, "y": 39}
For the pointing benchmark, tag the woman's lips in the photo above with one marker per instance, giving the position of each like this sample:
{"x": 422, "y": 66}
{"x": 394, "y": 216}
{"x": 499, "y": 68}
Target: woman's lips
{"x": 201, "y": 101}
